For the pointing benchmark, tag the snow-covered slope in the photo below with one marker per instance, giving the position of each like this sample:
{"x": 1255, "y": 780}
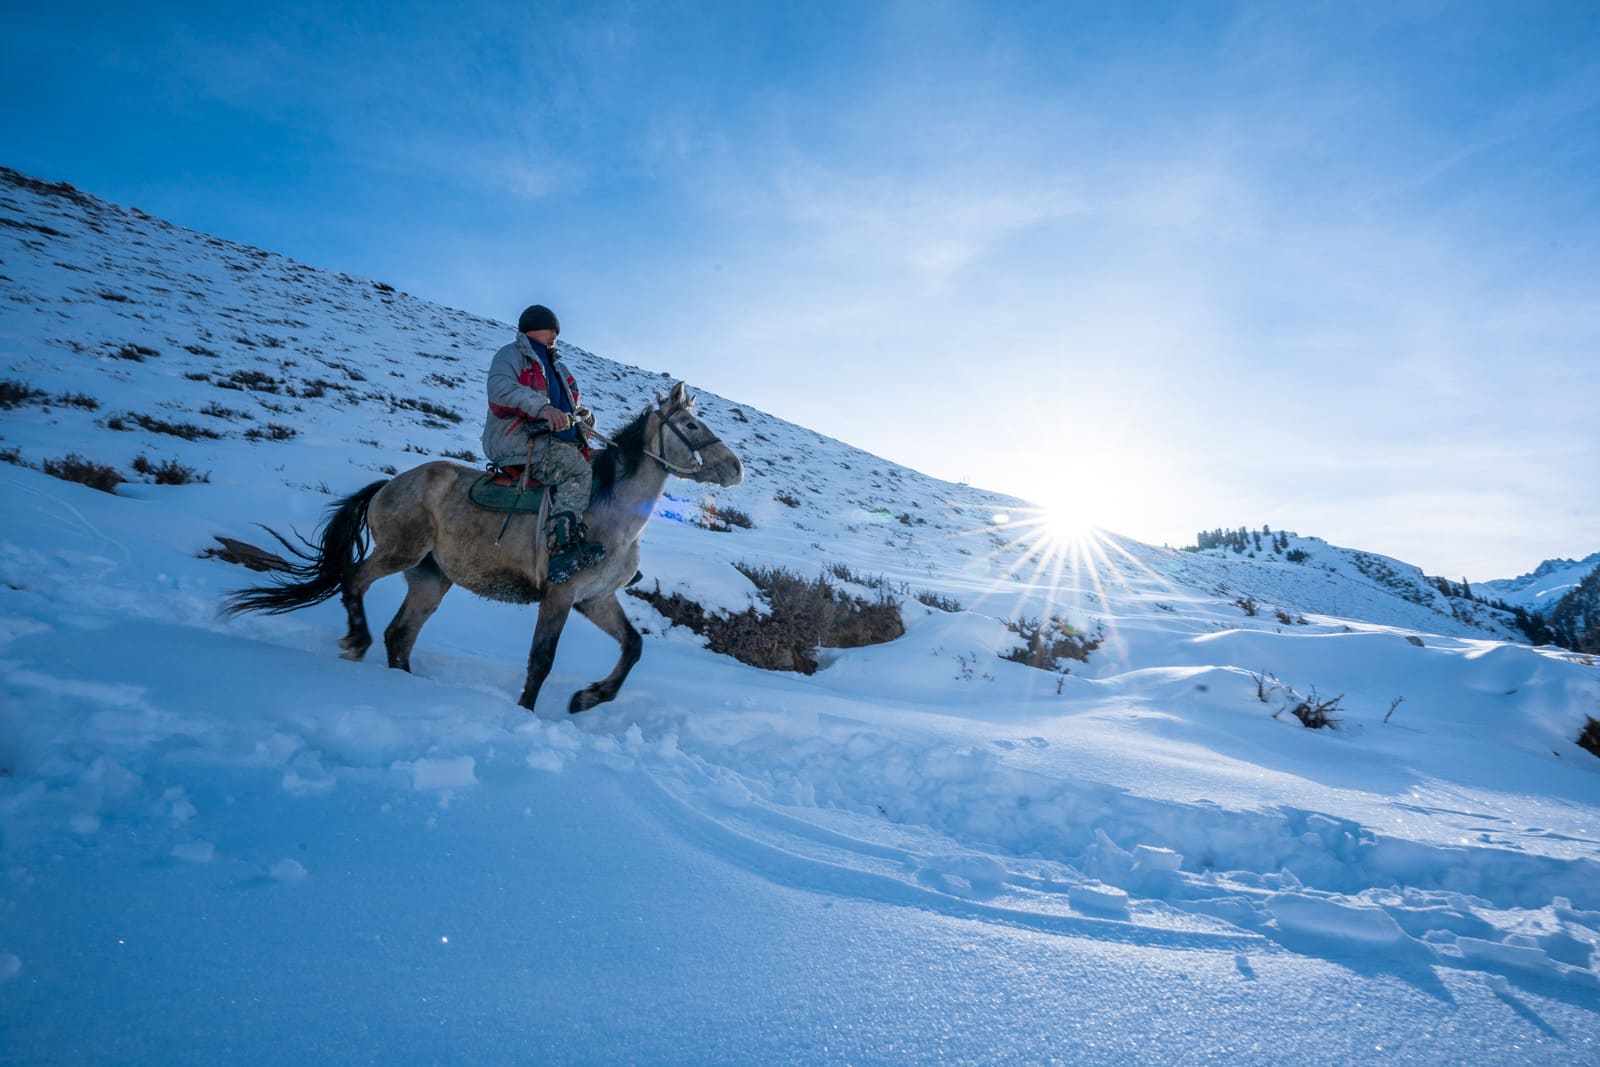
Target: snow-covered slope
{"x": 220, "y": 842}
{"x": 321, "y": 379}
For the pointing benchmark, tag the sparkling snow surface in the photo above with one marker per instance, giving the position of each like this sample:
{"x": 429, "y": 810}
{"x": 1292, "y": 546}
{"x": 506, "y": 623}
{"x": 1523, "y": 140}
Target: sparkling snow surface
{"x": 219, "y": 842}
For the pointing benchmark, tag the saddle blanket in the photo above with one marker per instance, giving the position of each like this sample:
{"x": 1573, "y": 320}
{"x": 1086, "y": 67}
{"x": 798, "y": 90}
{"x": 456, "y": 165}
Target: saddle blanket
{"x": 496, "y": 495}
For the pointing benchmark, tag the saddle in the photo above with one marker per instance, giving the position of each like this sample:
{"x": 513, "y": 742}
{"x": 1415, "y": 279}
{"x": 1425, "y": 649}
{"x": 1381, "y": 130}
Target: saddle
{"x": 497, "y": 491}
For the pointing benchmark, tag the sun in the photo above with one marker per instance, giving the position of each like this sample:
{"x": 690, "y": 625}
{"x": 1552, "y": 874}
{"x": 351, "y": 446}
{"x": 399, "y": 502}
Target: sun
{"x": 1067, "y": 526}
{"x": 1055, "y": 536}
{"x": 1060, "y": 528}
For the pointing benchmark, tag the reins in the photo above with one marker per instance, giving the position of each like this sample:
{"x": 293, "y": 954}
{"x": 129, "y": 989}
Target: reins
{"x": 658, "y": 455}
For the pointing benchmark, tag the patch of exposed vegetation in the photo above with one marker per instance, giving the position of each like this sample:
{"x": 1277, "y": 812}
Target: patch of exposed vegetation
{"x": 805, "y": 614}
{"x": 186, "y": 430}
{"x": 217, "y": 411}
{"x": 136, "y": 353}
{"x": 427, "y": 407}
{"x": 169, "y": 472}
{"x": 1313, "y": 712}
{"x": 75, "y": 468}
{"x": 723, "y": 518}
{"x": 272, "y": 431}
{"x": 250, "y": 379}
{"x": 1589, "y": 738}
{"x": 15, "y": 393}
{"x": 1047, "y": 644}
{"x": 939, "y": 601}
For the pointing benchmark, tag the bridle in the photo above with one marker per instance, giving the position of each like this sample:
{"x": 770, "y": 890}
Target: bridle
{"x": 666, "y": 423}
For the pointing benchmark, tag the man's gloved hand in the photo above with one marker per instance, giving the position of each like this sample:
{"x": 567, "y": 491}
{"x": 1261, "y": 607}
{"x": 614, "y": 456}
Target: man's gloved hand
{"x": 585, "y": 416}
{"x": 555, "y": 418}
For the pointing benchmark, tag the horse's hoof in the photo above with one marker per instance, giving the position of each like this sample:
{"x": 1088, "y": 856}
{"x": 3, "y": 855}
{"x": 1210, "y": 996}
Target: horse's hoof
{"x": 583, "y": 700}
{"x": 354, "y": 655}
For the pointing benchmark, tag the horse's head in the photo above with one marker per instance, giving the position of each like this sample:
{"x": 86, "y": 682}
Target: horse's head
{"x": 689, "y": 447}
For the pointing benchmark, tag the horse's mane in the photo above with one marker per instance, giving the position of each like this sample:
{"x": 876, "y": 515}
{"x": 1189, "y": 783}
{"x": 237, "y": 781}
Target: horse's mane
{"x": 616, "y": 462}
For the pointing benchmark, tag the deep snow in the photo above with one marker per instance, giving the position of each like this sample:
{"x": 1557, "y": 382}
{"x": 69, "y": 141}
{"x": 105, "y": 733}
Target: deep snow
{"x": 220, "y": 842}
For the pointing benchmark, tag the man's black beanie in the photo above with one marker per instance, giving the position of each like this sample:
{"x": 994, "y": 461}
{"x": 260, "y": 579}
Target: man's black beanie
{"x": 538, "y": 317}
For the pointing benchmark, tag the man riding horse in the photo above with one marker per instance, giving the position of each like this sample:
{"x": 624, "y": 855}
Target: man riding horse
{"x": 535, "y": 419}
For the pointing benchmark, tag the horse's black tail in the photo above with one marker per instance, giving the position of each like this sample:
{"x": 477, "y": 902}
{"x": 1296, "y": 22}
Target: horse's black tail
{"x": 324, "y": 566}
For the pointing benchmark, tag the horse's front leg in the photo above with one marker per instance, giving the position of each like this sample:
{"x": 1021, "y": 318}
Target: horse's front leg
{"x": 553, "y": 613}
{"x": 606, "y": 613}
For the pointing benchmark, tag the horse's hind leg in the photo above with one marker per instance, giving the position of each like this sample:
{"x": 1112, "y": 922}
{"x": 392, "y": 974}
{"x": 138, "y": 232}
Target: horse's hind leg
{"x": 606, "y": 612}
{"x": 426, "y": 585}
{"x": 382, "y": 562}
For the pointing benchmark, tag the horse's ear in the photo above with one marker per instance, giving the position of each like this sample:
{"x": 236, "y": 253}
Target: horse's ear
{"x": 661, "y": 401}
{"x": 680, "y": 393}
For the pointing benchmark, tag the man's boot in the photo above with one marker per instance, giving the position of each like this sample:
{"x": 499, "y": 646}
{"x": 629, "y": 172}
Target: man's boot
{"x": 571, "y": 551}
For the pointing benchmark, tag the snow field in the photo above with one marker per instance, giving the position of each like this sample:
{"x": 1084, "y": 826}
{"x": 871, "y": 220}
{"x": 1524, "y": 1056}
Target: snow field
{"x": 221, "y": 842}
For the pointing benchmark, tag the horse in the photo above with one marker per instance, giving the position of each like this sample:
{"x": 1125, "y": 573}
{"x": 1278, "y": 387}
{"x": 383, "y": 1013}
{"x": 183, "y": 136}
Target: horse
{"x": 421, "y": 522}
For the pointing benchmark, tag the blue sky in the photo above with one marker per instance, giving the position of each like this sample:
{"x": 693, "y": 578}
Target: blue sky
{"x": 1331, "y": 267}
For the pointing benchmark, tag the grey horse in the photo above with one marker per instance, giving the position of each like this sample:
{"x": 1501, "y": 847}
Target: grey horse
{"x": 422, "y": 523}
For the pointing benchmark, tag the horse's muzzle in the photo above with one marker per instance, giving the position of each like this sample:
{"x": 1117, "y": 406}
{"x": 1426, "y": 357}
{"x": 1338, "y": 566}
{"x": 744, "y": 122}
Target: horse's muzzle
{"x": 720, "y": 465}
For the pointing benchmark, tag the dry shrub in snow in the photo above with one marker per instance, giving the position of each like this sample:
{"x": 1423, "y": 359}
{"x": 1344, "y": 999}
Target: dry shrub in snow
{"x": 170, "y": 472}
{"x": 74, "y": 468}
{"x": 1313, "y": 712}
{"x": 806, "y": 613}
{"x": 1047, "y": 643}
{"x": 1589, "y": 739}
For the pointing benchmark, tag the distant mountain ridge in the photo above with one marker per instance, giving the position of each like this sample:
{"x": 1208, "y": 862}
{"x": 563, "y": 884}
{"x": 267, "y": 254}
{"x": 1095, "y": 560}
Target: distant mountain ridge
{"x": 1544, "y": 585}
{"x": 235, "y": 360}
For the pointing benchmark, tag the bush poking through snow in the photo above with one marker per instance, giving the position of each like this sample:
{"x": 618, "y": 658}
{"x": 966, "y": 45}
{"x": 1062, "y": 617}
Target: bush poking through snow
{"x": 723, "y": 519}
{"x": 250, "y": 379}
{"x": 1046, "y": 644}
{"x": 940, "y": 601}
{"x": 274, "y": 431}
{"x": 1589, "y": 739}
{"x": 78, "y": 400}
{"x": 186, "y": 430}
{"x": 805, "y": 614}
{"x": 170, "y": 472}
{"x": 14, "y": 393}
{"x": 439, "y": 417}
{"x": 1313, "y": 711}
{"x": 74, "y": 468}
